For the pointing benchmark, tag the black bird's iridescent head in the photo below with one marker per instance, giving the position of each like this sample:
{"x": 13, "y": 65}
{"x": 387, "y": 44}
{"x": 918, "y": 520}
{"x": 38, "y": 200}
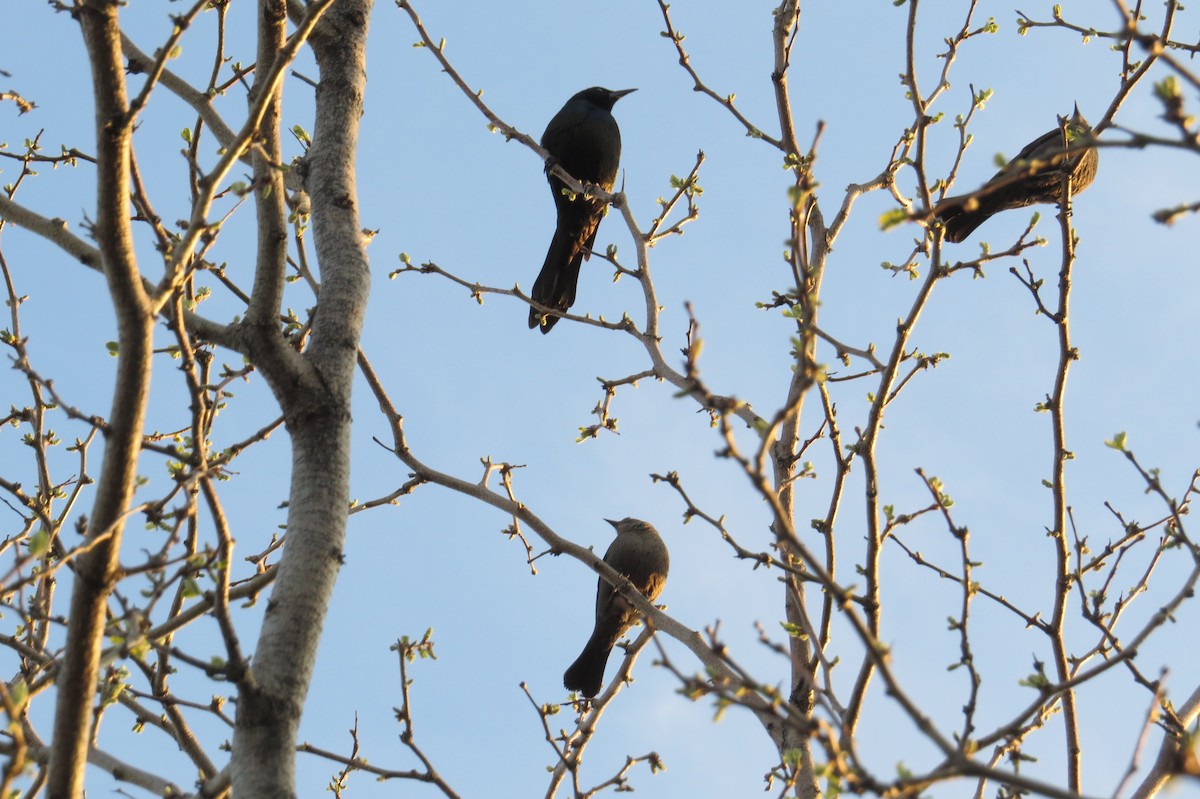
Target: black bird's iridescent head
{"x": 605, "y": 98}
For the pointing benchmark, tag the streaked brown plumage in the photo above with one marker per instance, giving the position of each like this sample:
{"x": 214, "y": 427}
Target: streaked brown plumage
{"x": 1034, "y": 176}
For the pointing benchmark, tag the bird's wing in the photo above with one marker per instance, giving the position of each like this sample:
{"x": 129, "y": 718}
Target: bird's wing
{"x": 1045, "y": 151}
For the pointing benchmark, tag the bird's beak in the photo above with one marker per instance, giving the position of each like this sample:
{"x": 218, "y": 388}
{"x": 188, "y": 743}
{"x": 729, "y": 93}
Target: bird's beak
{"x": 619, "y": 95}
{"x": 610, "y": 521}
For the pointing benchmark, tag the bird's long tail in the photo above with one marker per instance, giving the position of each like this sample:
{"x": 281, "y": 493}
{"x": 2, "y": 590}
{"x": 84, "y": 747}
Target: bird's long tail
{"x": 556, "y": 283}
{"x": 960, "y": 222}
{"x": 586, "y": 674}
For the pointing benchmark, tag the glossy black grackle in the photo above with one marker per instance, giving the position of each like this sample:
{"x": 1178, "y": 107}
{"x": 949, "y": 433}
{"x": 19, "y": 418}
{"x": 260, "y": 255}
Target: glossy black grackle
{"x": 584, "y": 140}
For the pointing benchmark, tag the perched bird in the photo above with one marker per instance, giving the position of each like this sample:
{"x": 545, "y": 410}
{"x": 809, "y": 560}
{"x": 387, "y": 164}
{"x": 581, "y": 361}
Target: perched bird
{"x": 1034, "y": 176}
{"x": 639, "y": 554}
{"x": 583, "y": 139}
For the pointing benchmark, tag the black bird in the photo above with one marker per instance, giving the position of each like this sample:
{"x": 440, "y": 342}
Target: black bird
{"x": 582, "y": 138}
{"x": 1034, "y": 176}
{"x": 639, "y": 554}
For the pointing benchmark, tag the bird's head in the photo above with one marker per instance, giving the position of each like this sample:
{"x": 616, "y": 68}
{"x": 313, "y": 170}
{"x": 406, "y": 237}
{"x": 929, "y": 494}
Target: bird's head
{"x": 605, "y": 98}
{"x": 629, "y": 525}
{"x": 1076, "y": 124}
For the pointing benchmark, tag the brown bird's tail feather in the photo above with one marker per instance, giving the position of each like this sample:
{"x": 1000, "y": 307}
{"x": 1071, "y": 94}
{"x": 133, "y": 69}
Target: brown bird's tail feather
{"x": 586, "y": 674}
{"x": 960, "y": 222}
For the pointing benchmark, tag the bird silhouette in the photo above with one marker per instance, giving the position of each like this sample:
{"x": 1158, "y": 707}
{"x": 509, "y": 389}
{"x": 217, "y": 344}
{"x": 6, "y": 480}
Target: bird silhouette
{"x": 640, "y": 554}
{"x": 582, "y": 138}
{"x": 1034, "y": 176}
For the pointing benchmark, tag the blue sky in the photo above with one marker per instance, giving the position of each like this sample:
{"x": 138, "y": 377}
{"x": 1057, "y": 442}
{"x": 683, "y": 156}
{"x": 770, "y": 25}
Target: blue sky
{"x": 472, "y": 381}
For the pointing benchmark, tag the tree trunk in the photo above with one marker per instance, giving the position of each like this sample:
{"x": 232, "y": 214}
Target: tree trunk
{"x": 97, "y": 570}
{"x": 314, "y": 392}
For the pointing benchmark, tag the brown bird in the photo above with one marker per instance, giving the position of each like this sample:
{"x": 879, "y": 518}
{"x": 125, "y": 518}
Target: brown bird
{"x": 639, "y": 554}
{"x": 1034, "y": 176}
{"x": 582, "y": 138}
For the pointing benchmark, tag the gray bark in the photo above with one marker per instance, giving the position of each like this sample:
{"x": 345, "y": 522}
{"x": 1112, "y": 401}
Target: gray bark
{"x": 314, "y": 391}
